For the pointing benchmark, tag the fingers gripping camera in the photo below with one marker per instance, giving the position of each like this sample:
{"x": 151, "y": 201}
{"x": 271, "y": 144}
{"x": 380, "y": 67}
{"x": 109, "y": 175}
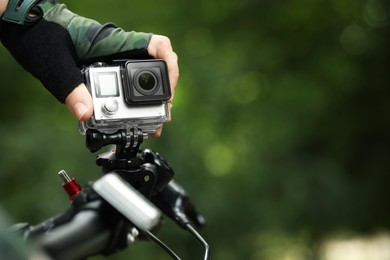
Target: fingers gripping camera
{"x": 128, "y": 94}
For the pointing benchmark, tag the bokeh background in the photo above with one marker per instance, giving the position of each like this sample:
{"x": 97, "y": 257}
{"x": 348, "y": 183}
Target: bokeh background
{"x": 280, "y": 129}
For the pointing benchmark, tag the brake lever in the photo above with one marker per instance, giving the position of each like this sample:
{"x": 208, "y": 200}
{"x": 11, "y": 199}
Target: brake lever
{"x": 175, "y": 202}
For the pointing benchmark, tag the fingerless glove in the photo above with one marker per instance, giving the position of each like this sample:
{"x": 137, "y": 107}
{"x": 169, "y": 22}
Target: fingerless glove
{"x": 53, "y": 44}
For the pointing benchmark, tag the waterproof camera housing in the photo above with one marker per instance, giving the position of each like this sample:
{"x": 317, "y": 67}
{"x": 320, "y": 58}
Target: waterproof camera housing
{"x": 128, "y": 94}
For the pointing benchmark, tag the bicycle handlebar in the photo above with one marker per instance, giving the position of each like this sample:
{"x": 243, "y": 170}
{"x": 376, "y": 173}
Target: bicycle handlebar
{"x": 85, "y": 235}
{"x": 99, "y": 223}
{"x": 92, "y": 229}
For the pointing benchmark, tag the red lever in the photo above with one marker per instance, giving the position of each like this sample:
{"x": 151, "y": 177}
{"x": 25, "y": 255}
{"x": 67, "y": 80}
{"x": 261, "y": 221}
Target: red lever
{"x": 71, "y": 186}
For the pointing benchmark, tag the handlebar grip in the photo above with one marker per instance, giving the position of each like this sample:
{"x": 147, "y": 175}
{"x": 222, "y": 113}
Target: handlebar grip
{"x": 85, "y": 235}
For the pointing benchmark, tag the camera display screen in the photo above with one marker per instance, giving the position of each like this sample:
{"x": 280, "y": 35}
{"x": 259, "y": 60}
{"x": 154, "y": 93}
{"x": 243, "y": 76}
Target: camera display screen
{"x": 106, "y": 84}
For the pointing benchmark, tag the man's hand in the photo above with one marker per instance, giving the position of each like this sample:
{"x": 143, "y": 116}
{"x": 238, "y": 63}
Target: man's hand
{"x": 54, "y": 42}
{"x": 79, "y": 103}
{"x": 160, "y": 48}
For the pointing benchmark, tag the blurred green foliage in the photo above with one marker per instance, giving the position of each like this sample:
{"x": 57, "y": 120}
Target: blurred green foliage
{"x": 280, "y": 129}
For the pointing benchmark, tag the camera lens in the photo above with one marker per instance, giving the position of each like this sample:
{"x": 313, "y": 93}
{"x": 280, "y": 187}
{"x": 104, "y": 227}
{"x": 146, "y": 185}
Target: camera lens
{"x": 146, "y": 82}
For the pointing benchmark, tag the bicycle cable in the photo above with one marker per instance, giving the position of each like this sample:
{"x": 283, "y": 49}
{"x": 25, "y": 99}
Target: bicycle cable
{"x": 200, "y": 239}
{"x": 162, "y": 245}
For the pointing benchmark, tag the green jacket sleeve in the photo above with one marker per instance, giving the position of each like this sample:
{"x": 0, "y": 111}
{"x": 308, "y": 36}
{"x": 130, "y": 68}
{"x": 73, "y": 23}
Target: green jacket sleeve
{"x": 90, "y": 38}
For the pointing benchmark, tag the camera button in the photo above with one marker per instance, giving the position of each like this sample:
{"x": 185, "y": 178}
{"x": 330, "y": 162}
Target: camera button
{"x": 110, "y": 107}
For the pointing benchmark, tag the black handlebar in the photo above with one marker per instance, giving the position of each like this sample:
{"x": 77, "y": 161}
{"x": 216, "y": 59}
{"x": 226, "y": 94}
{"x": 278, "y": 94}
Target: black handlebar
{"x": 124, "y": 203}
{"x": 85, "y": 235}
{"x": 93, "y": 229}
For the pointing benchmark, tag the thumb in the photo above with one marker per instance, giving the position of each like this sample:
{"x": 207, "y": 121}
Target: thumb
{"x": 79, "y": 103}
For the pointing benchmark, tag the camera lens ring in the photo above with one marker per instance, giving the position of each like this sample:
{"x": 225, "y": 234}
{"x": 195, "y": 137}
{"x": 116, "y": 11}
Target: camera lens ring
{"x": 146, "y": 82}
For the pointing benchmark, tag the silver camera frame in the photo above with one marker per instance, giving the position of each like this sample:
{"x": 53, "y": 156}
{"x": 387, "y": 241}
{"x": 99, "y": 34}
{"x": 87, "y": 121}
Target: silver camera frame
{"x": 146, "y": 117}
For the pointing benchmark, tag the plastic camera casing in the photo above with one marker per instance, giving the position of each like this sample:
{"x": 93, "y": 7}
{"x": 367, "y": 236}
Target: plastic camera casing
{"x": 119, "y": 100}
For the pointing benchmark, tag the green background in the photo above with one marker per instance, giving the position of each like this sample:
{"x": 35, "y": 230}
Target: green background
{"x": 280, "y": 128}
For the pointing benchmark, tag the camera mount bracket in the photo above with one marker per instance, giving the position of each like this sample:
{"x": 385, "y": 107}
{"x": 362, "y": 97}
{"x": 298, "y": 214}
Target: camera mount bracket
{"x": 145, "y": 170}
{"x": 127, "y": 141}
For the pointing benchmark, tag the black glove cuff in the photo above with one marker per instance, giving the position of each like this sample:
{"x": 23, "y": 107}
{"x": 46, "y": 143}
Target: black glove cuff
{"x": 47, "y": 52}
